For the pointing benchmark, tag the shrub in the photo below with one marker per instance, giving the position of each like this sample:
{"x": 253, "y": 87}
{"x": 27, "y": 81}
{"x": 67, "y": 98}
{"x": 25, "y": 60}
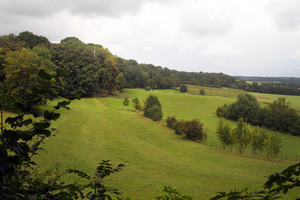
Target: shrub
{"x": 126, "y": 102}
{"x": 155, "y": 113}
{"x": 202, "y": 92}
{"x": 171, "y": 122}
{"x": 152, "y": 101}
{"x": 136, "y": 104}
{"x": 183, "y": 88}
{"x": 148, "y": 88}
{"x": 192, "y": 130}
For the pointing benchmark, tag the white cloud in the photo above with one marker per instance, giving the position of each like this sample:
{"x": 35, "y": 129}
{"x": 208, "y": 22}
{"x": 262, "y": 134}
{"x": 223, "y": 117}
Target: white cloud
{"x": 148, "y": 48}
{"x": 219, "y": 63}
{"x": 296, "y": 54}
{"x": 201, "y": 18}
{"x": 186, "y": 47}
{"x": 222, "y": 48}
{"x": 285, "y": 13}
{"x": 231, "y": 33}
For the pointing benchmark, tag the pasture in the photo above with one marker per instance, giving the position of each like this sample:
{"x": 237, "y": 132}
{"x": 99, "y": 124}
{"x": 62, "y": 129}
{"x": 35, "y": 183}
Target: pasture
{"x": 212, "y": 91}
{"x": 103, "y": 129}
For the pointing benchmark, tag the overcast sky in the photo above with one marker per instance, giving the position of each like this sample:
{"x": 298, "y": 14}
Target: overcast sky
{"x": 236, "y": 37}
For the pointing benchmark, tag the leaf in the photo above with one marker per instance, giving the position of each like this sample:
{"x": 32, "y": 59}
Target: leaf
{"x": 24, "y": 123}
{"x": 56, "y": 87}
{"x": 43, "y": 74}
{"x": 79, "y": 173}
{"x": 51, "y": 115}
{"x": 46, "y": 96}
{"x": 16, "y": 146}
{"x": 4, "y": 168}
{"x": 285, "y": 190}
{"x": 62, "y": 71}
{"x": 12, "y": 120}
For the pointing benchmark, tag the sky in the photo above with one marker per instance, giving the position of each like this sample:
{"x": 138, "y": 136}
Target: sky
{"x": 235, "y": 37}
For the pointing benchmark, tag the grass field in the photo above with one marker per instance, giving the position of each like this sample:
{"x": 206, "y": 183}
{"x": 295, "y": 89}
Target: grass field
{"x": 269, "y": 98}
{"x": 102, "y": 129}
{"x": 185, "y": 106}
{"x": 212, "y": 91}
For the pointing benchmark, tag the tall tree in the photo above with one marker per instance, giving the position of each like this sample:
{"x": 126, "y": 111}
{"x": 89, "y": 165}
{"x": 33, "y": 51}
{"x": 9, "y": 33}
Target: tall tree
{"x": 241, "y": 135}
{"x": 21, "y": 69}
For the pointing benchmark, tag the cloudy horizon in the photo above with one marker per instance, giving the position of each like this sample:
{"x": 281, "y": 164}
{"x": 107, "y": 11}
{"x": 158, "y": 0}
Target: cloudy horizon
{"x": 246, "y": 38}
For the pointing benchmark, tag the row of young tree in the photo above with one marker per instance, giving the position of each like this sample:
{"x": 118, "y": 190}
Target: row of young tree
{"x": 242, "y": 136}
{"x": 278, "y": 116}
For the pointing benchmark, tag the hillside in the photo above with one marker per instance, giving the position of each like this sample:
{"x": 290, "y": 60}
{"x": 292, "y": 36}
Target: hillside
{"x": 97, "y": 129}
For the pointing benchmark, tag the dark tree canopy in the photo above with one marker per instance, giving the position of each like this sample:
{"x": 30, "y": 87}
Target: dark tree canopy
{"x": 152, "y": 108}
{"x": 183, "y": 88}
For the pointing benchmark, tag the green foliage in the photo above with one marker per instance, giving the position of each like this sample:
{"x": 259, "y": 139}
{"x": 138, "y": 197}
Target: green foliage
{"x": 172, "y": 194}
{"x": 21, "y": 74}
{"x": 171, "y": 122}
{"x": 223, "y": 133}
{"x": 20, "y": 142}
{"x": 155, "y": 113}
{"x": 202, "y": 92}
{"x": 136, "y": 104}
{"x": 192, "y": 130}
{"x": 126, "y": 102}
{"x": 273, "y": 145}
{"x": 281, "y": 117}
{"x": 258, "y": 140}
{"x": 148, "y": 88}
{"x": 278, "y": 116}
{"x": 241, "y": 135}
{"x": 30, "y": 40}
{"x": 183, "y": 88}
{"x": 152, "y": 108}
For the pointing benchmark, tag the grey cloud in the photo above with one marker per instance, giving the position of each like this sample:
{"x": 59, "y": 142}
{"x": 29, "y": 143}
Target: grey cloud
{"x": 286, "y": 14}
{"x": 88, "y": 8}
{"x": 205, "y": 22}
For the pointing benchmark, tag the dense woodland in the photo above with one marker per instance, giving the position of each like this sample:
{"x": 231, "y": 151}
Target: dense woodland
{"x": 97, "y": 71}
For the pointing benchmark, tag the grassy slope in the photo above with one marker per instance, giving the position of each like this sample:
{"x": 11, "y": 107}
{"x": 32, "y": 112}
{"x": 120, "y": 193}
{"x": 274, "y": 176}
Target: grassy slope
{"x": 201, "y": 107}
{"x": 153, "y": 155}
{"x": 211, "y": 91}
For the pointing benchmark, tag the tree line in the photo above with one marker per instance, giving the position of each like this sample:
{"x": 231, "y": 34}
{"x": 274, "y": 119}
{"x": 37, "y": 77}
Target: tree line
{"x": 278, "y": 116}
{"x": 270, "y": 88}
{"x": 93, "y": 69}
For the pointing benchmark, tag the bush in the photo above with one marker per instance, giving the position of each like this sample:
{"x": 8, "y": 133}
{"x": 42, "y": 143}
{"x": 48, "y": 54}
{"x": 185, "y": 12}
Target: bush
{"x": 171, "y": 122}
{"x": 153, "y": 113}
{"x": 192, "y": 130}
{"x": 136, "y": 104}
{"x": 183, "y": 88}
{"x": 148, "y": 88}
{"x": 126, "y": 102}
{"x": 202, "y": 92}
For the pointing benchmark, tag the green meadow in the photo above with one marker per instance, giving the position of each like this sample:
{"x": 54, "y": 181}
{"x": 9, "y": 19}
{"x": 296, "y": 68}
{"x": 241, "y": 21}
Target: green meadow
{"x": 212, "y": 91}
{"x": 98, "y": 129}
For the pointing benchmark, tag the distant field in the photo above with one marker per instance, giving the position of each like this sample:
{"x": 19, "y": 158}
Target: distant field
{"x": 212, "y": 91}
{"x": 186, "y": 106}
{"x": 269, "y": 98}
{"x": 96, "y": 129}
{"x": 260, "y": 82}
